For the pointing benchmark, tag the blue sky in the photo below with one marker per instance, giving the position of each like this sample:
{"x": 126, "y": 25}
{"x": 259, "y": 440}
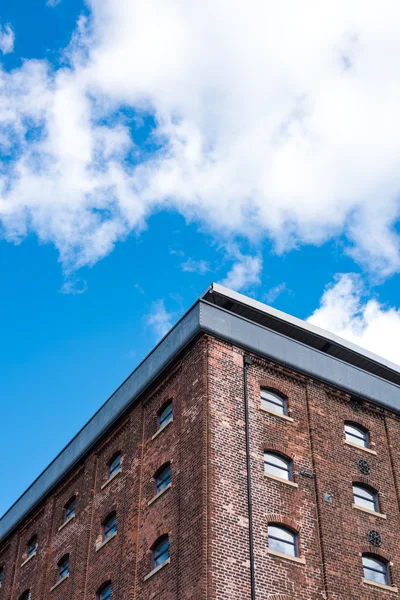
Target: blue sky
{"x": 145, "y": 155}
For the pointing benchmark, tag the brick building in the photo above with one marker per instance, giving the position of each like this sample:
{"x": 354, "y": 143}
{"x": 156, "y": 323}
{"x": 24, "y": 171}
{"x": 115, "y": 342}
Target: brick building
{"x": 249, "y": 456}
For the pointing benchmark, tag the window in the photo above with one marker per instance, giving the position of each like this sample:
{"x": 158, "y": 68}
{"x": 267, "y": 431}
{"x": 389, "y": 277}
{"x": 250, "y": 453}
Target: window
{"x": 1, "y": 576}
{"x": 105, "y": 592}
{"x": 375, "y": 569}
{"x": 63, "y": 567}
{"x": 356, "y": 435}
{"x": 32, "y": 546}
{"x": 110, "y": 526}
{"x": 26, "y": 595}
{"x": 69, "y": 509}
{"x": 114, "y": 465}
{"x": 282, "y": 540}
{"x": 165, "y": 414}
{"x": 273, "y": 401}
{"x": 163, "y": 477}
{"x": 160, "y": 551}
{"x": 365, "y": 497}
{"x": 278, "y": 465}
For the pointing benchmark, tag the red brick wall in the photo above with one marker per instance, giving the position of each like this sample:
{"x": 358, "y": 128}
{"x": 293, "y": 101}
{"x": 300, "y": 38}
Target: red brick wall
{"x": 205, "y": 512}
{"x": 332, "y": 537}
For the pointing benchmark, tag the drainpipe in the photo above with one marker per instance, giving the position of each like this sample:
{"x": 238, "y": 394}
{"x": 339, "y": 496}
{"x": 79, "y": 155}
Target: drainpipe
{"x": 246, "y": 363}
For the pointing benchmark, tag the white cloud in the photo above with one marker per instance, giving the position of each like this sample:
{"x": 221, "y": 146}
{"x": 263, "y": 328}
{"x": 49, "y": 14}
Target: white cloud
{"x": 7, "y": 38}
{"x": 275, "y": 120}
{"x": 346, "y": 311}
{"x": 244, "y": 273}
{"x": 74, "y": 286}
{"x": 159, "y": 319}
{"x": 195, "y": 266}
{"x": 274, "y": 292}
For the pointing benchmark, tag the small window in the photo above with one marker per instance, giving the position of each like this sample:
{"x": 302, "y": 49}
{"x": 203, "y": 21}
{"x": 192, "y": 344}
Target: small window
{"x": 160, "y": 551}
{"x": 282, "y": 540}
{"x": 114, "y": 465}
{"x": 273, "y": 401}
{"x": 375, "y": 569}
{"x": 1, "y": 576}
{"x": 32, "y": 546}
{"x": 278, "y": 465}
{"x": 163, "y": 477}
{"x": 63, "y": 567}
{"x": 26, "y": 595}
{"x": 69, "y": 509}
{"x": 105, "y": 592}
{"x": 356, "y": 435}
{"x": 365, "y": 497}
{"x": 165, "y": 415}
{"x": 110, "y": 526}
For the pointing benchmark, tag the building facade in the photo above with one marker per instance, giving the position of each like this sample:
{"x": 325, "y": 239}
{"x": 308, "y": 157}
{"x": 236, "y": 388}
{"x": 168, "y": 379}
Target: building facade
{"x": 250, "y": 456}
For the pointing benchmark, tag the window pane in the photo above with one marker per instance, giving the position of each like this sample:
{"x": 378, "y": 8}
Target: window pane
{"x": 278, "y": 408}
{"x": 364, "y": 503}
{"x": 281, "y": 533}
{"x": 363, "y": 492}
{"x": 356, "y": 435}
{"x": 365, "y": 498}
{"x": 105, "y": 593}
{"x": 165, "y": 415}
{"x": 115, "y": 465}
{"x": 110, "y": 527}
{"x": 160, "y": 553}
{"x": 282, "y": 473}
{"x": 375, "y": 570}
{"x": 70, "y": 509}
{"x": 163, "y": 479}
{"x": 276, "y": 460}
{"x": 273, "y": 402}
{"x": 283, "y": 547}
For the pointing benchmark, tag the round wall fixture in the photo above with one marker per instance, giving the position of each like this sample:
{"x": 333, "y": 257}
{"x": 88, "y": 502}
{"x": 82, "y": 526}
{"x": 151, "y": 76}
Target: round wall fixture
{"x": 363, "y": 466}
{"x": 374, "y": 538}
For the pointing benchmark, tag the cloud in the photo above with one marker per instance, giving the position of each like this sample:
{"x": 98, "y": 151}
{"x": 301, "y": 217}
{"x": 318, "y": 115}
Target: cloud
{"x": 74, "y": 286}
{"x": 195, "y": 266}
{"x": 244, "y": 273}
{"x": 346, "y": 311}
{"x": 7, "y": 38}
{"x": 53, "y": 3}
{"x": 269, "y": 121}
{"x": 159, "y": 319}
{"x": 274, "y": 292}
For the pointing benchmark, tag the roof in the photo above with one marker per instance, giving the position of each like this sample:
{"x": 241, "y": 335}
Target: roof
{"x": 250, "y": 324}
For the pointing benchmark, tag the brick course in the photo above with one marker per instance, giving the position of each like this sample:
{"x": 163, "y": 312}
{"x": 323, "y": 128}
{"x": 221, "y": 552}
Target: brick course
{"x": 205, "y": 511}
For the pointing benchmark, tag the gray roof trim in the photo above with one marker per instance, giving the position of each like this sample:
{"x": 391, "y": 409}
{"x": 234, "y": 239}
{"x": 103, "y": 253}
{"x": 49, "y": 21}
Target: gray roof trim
{"x": 291, "y": 349}
{"x": 260, "y": 340}
{"x": 303, "y": 331}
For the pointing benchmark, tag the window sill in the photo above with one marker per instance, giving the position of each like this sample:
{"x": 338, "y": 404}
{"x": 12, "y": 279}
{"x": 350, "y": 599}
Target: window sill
{"x": 360, "y": 447}
{"x": 106, "y": 541}
{"x": 296, "y": 559}
{"x": 374, "y": 513}
{"x": 59, "y": 582}
{"x": 156, "y": 497}
{"x": 105, "y": 484}
{"x": 66, "y": 522}
{"x": 161, "y": 429}
{"x": 381, "y": 586}
{"x": 154, "y": 571}
{"x": 281, "y": 480}
{"x": 28, "y": 559}
{"x": 275, "y": 414}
